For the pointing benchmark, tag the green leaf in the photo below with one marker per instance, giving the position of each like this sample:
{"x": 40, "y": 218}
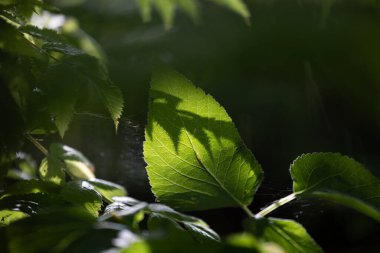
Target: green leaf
{"x": 247, "y": 240}
{"x": 191, "y": 8}
{"x": 133, "y": 212}
{"x": 62, "y": 85}
{"x": 76, "y": 164}
{"x": 51, "y": 170}
{"x": 196, "y": 158}
{"x": 196, "y": 227}
{"x": 113, "y": 101}
{"x": 52, "y": 232}
{"x": 108, "y": 189}
{"x": 145, "y": 9}
{"x": 288, "y": 234}
{"x": 338, "y": 178}
{"x": 83, "y": 194}
{"x": 9, "y": 216}
{"x": 166, "y": 9}
{"x": 32, "y": 186}
{"x": 237, "y": 6}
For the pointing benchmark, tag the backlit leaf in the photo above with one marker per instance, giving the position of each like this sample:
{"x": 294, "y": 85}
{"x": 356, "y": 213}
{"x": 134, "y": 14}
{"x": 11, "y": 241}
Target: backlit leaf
{"x": 288, "y": 234}
{"x": 196, "y": 158}
{"x": 108, "y": 189}
{"x": 338, "y": 178}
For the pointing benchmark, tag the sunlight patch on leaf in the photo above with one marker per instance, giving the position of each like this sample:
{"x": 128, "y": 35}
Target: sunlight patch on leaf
{"x": 196, "y": 158}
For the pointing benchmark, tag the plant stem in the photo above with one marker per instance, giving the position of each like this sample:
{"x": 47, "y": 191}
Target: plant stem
{"x": 37, "y": 144}
{"x": 247, "y": 211}
{"x": 275, "y": 205}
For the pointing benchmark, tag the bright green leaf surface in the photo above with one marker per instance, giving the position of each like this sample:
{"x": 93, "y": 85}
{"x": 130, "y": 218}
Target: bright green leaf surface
{"x": 338, "y": 178}
{"x": 196, "y": 159}
{"x": 108, "y": 189}
{"x": 76, "y": 164}
{"x": 166, "y": 9}
{"x": 288, "y": 234}
{"x": 9, "y": 216}
{"x": 113, "y": 100}
{"x": 51, "y": 170}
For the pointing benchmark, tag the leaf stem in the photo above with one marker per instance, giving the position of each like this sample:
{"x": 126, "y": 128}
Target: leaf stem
{"x": 275, "y": 205}
{"x": 37, "y": 144}
{"x": 247, "y": 211}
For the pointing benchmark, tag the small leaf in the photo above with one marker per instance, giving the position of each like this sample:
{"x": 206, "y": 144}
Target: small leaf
{"x": 51, "y": 170}
{"x": 338, "y": 178}
{"x": 83, "y": 194}
{"x": 108, "y": 189}
{"x": 113, "y": 101}
{"x": 166, "y": 9}
{"x": 196, "y": 158}
{"x": 76, "y": 164}
{"x": 145, "y": 9}
{"x": 237, "y": 6}
{"x": 288, "y": 234}
{"x": 9, "y": 216}
{"x": 190, "y": 7}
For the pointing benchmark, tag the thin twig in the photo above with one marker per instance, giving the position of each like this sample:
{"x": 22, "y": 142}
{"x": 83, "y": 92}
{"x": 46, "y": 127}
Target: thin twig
{"x": 37, "y": 144}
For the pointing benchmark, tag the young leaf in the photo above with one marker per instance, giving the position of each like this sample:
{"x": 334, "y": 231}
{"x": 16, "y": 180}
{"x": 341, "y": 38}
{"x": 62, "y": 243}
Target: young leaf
{"x": 9, "y": 216}
{"x": 76, "y": 164}
{"x": 166, "y": 9}
{"x": 113, "y": 100}
{"x": 288, "y": 234}
{"x": 108, "y": 189}
{"x": 338, "y": 178}
{"x": 51, "y": 170}
{"x": 196, "y": 159}
{"x": 145, "y": 9}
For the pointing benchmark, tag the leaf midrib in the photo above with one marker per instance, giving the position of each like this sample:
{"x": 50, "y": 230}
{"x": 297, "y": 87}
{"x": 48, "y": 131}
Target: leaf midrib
{"x": 205, "y": 168}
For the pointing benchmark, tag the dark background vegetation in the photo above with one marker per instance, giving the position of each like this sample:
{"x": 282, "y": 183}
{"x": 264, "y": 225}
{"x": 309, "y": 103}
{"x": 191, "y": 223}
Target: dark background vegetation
{"x": 297, "y": 80}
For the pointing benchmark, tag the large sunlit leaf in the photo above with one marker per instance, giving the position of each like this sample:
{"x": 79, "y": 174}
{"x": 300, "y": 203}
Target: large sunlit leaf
{"x": 338, "y": 178}
{"x": 196, "y": 158}
{"x": 288, "y": 234}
